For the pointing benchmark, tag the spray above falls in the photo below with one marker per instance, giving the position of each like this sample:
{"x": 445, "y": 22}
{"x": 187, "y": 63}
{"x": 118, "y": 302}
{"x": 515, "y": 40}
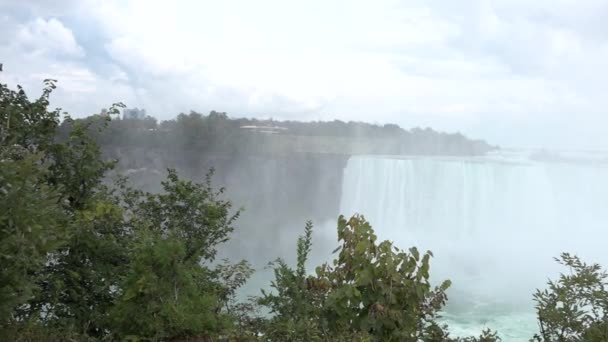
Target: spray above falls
{"x": 494, "y": 223}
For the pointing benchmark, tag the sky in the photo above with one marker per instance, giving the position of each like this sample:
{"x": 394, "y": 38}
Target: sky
{"x": 516, "y": 73}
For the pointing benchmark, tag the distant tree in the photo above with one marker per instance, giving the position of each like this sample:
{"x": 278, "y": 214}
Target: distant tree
{"x": 199, "y": 135}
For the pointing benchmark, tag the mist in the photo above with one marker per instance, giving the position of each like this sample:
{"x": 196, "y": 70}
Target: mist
{"x": 494, "y": 218}
{"x": 495, "y": 223}
{"x": 474, "y": 130}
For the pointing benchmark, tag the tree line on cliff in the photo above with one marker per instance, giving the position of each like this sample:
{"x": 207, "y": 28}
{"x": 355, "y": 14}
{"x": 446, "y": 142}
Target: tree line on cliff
{"x": 218, "y": 133}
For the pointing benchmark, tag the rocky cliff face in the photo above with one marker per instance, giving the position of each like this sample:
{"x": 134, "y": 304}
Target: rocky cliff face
{"x": 300, "y": 184}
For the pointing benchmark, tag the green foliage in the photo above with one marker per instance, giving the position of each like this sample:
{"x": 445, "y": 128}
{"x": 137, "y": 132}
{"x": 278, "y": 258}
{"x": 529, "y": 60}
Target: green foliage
{"x": 162, "y": 297}
{"x": 378, "y": 288}
{"x": 231, "y": 277}
{"x": 82, "y": 261}
{"x": 31, "y": 219}
{"x": 31, "y": 225}
{"x": 166, "y": 292}
{"x": 575, "y": 307}
{"x": 74, "y": 286}
{"x": 78, "y": 283}
{"x": 372, "y": 292}
{"x": 77, "y": 168}
{"x": 189, "y": 211}
{"x": 34, "y": 332}
{"x": 27, "y": 123}
{"x": 295, "y": 305}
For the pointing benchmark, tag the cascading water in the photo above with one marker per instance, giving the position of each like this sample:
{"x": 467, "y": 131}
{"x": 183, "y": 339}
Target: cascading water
{"x": 493, "y": 224}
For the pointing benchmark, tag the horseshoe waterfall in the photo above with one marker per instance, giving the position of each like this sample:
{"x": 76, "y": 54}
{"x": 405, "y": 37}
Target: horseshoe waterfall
{"x": 494, "y": 224}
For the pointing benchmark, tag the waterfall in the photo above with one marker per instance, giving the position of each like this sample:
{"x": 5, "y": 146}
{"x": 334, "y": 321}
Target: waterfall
{"x": 493, "y": 224}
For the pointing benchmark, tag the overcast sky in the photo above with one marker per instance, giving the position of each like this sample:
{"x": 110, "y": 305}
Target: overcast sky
{"x": 518, "y": 73}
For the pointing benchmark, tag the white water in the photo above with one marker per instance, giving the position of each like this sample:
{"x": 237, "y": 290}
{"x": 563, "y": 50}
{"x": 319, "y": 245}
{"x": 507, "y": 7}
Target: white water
{"x": 494, "y": 225}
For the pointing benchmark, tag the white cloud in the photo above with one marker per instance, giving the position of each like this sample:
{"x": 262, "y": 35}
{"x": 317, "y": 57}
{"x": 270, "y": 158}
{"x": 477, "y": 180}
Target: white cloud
{"x": 43, "y": 48}
{"x": 473, "y": 66}
{"x": 47, "y": 37}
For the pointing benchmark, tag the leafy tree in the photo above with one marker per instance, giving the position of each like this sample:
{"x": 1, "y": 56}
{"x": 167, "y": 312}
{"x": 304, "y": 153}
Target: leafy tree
{"x": 31, "y": 219}
{"x": 575, "y": 307}
{"x": 295, "y": 306}
{"x": 162, "y": 296}
{"x": 77, "y": 167}
{"x": 79, "y": 282}
{"x": 166, "y": 292}
{"x": 232, "y": 277}
{"x": 372, "y": 291}
{"x": 80, "y": 259}
{"x": 76, "y": 284}
{"x": 31, "y": 226}
{"x": 27, "y": 123}
{"x": 378, "y": 288}
{"x": 191, "y": 211}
